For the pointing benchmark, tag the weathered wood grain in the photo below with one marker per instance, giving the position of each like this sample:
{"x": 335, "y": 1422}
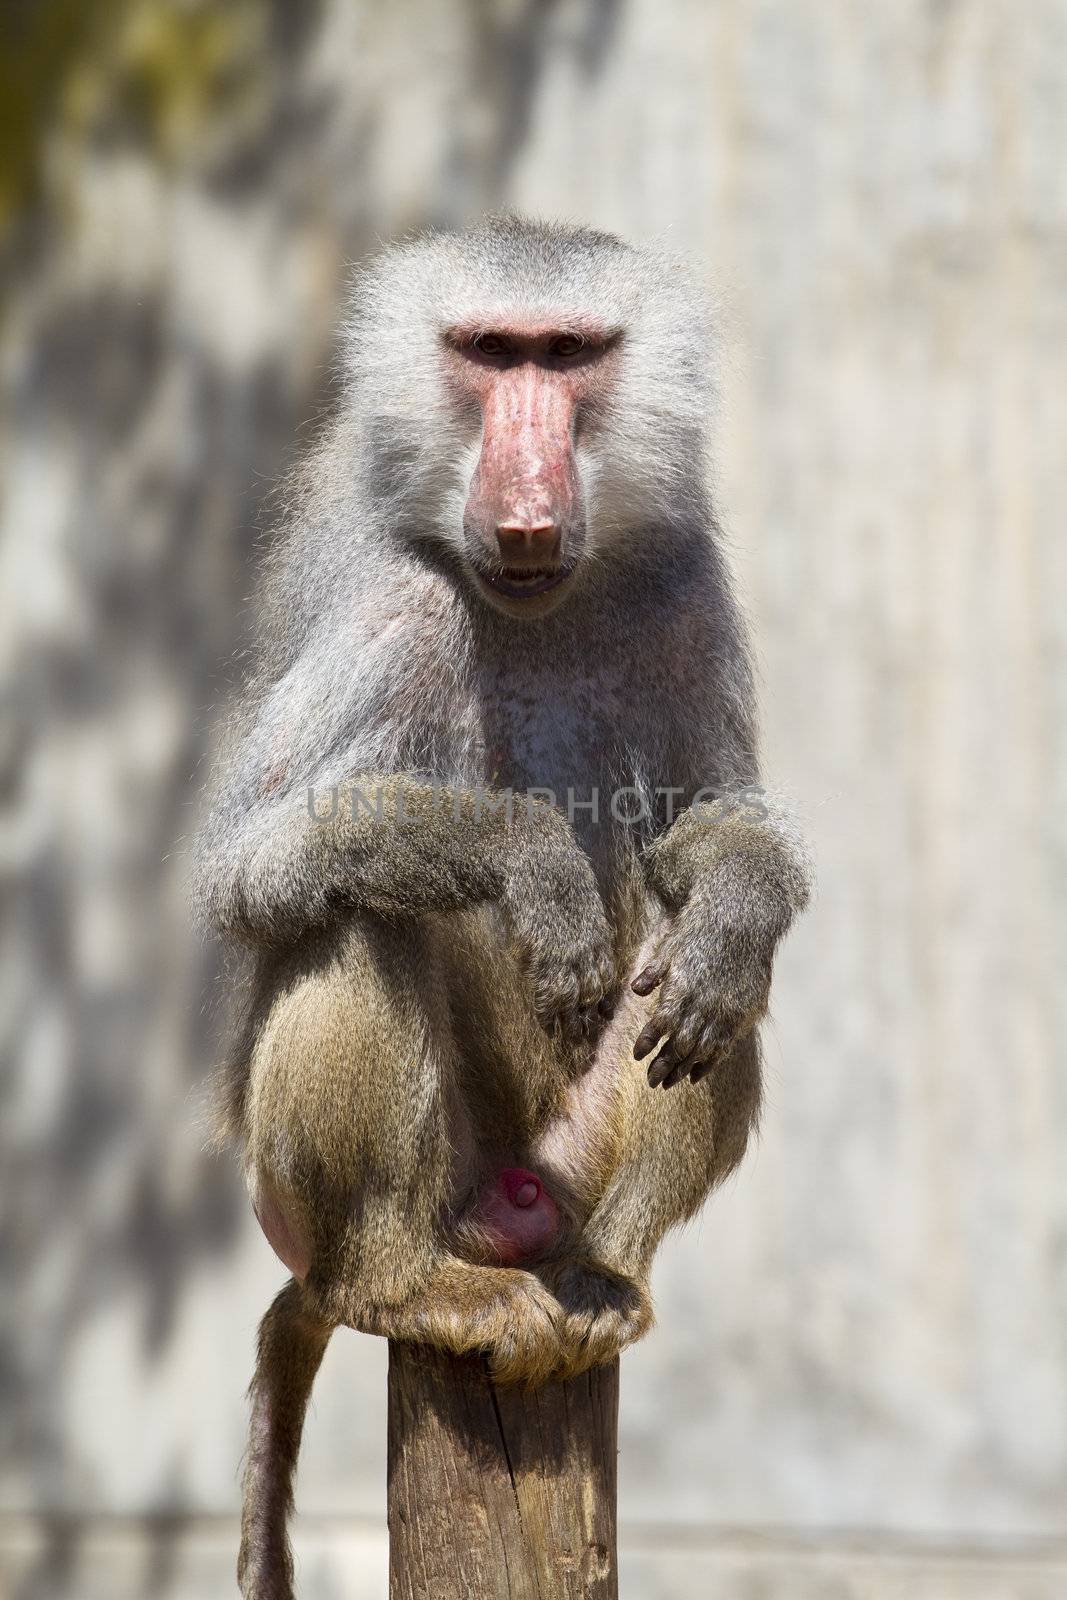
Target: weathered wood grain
{"x": 499, "y": 1494}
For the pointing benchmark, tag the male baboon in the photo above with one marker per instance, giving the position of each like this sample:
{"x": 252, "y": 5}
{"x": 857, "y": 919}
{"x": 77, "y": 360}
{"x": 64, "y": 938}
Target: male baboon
{"x": 466, "y": 828}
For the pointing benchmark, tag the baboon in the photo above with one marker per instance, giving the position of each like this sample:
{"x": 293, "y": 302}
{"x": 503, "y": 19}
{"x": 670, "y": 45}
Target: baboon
{"x": 490, "y": 827}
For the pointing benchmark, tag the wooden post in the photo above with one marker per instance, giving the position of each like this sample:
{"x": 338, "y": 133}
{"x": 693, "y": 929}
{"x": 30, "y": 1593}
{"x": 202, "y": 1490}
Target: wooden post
{"x": 499, "y": 1494}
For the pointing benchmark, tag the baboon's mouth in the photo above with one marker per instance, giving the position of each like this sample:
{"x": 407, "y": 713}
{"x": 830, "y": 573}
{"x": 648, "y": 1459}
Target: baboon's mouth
{"x": 522, "y": 583}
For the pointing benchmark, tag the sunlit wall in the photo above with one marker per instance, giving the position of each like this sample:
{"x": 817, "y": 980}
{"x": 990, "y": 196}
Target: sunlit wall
{"x": 858, "y": 1384}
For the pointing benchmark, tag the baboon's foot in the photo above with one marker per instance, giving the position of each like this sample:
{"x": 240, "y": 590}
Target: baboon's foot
{"x": 503, "y": 1313}
{"x": 602, "y": 1312}
{"x": 513, "y": 1219}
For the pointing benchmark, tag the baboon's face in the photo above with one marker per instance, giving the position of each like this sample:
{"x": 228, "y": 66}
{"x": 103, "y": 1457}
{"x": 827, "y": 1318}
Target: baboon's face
{"x": 536, "y": 382}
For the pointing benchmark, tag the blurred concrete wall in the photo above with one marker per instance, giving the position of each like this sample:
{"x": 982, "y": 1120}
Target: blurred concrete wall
{"x": 858, "y": 1384}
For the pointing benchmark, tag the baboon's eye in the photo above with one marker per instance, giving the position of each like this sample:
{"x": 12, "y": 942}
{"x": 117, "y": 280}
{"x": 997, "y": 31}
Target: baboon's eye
{"x": 491, "y": 344}
{"x": 567, "y": 346}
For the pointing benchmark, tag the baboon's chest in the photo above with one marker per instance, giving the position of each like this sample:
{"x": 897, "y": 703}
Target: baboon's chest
{"x": 542, "y": 732}
{"x": 569, "y": 739}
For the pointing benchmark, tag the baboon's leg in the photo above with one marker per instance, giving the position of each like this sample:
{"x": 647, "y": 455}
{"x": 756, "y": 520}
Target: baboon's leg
{"x": 360, "y": 1145}
{"x": 292, "y": 1341}
{"x": 354, "y": 1130}
{"x": 679, "y": 1143}
{"x": 667, "y": 1149}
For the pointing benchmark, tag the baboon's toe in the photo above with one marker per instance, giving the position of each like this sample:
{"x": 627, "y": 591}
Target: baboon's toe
{"x": 602, "y": 1312}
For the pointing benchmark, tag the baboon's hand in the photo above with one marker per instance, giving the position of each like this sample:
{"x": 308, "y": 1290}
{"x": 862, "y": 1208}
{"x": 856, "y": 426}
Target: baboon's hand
{"x": 557, "y": 919}
{"x": 713, "y": 971}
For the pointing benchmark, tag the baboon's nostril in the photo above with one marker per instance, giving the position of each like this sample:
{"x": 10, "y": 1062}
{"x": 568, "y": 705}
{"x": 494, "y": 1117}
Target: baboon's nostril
{"x": 527, "y": 539}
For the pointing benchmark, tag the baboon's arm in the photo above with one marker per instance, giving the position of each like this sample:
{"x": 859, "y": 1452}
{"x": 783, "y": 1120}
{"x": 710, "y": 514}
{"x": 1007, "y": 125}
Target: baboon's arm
{"x": 732, "y": 875}
{"x": 401, "y": 847}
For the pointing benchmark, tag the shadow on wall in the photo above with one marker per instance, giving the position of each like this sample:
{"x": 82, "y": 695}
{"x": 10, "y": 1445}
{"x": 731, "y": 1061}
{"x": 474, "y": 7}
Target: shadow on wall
{"x": 180, "y": 186}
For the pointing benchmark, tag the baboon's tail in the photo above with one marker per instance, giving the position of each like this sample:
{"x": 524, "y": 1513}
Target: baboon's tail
{"x": 292, "y": 1341}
